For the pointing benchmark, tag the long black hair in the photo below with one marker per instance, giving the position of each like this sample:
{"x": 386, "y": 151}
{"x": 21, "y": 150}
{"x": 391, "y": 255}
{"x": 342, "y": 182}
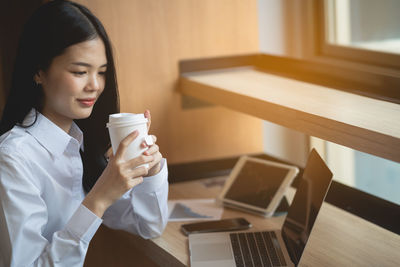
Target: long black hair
{"x": 52, "y": 28}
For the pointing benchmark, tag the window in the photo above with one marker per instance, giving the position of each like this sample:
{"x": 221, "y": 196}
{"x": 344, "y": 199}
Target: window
{"x": 361, "y": 30}
{"x": 352, "y": 34}
{"x": 360, "y": 34}
{"x": 370, "y": 174}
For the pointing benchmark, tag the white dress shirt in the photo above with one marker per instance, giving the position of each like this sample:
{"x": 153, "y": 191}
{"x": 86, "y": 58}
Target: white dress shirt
{"x": 42, "y": 220}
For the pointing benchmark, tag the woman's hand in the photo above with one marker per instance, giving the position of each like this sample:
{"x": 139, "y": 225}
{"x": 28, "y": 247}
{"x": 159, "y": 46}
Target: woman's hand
{"x": 153, "y": 150}
{"x": 118, "y": 177}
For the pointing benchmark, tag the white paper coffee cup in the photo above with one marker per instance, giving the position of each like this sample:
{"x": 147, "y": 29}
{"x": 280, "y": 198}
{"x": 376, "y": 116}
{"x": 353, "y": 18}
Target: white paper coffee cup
{"x": 120, "y": 125}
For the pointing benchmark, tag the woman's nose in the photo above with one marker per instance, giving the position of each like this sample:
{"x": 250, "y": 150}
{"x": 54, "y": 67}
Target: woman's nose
{"x": 94, "y": 83}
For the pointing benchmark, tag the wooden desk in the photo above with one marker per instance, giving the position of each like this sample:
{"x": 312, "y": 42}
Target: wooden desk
{"x": 338, "y": 238}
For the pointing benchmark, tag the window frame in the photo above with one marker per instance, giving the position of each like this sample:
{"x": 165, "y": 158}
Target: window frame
{"x": 387, "y": 60}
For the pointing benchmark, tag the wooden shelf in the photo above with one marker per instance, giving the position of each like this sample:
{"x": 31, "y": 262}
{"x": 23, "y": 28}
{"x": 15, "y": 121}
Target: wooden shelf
{"x": 362, "y": 123}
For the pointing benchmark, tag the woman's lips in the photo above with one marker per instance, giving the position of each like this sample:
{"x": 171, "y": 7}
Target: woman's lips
{"x": 87, "y": 102}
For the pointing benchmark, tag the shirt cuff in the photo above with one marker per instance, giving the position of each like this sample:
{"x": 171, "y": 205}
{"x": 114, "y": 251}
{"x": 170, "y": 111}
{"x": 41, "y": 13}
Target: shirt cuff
{"x": 152, "y": 183}
{"x": 83, "y": 224}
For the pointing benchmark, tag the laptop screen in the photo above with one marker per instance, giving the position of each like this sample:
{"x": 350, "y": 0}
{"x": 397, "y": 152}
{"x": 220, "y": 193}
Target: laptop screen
{"x": 305, "y": 206}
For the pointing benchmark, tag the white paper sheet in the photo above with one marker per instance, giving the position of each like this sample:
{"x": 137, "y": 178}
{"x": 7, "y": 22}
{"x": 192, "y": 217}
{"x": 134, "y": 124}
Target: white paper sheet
{"x": 193, "y": 209}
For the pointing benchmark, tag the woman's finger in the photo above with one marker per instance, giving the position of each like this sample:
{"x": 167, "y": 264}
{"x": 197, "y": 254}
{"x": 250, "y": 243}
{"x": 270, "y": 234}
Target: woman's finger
{"x": 148, "y": 116}
{"x": 153, "y": 149}
{"x": 124, "y": 145}
{"x": 139, "y": 171}
{"x": 133, "y": 163}
{"x": 157, "y": 159}
{"x": 134, "y": 182}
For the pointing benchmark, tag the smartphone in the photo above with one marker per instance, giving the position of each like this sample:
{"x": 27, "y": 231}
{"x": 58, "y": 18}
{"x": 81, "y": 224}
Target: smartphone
{"x": 216, "y": 226}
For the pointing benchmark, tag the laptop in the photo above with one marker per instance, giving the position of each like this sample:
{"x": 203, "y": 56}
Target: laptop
{"x": 282, "y": 247}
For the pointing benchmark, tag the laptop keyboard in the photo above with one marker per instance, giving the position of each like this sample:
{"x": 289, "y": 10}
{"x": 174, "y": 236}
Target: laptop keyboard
{"x": 257, "y": 249}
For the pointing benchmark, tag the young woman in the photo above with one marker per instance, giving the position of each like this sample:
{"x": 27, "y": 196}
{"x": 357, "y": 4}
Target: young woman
{"x": 56, "y": 184}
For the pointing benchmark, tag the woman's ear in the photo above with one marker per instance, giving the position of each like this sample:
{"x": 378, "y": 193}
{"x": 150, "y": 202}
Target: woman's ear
{"x": 38, "y": 77}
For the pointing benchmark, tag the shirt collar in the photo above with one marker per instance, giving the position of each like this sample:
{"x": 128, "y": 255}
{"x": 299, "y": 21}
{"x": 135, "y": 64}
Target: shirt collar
{"x": 50, "y": 136}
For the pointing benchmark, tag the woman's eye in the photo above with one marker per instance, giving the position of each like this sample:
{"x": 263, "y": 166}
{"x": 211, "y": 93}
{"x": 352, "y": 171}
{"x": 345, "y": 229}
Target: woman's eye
{"x": 102, "y": 73}
{"x": 79, "y": 73}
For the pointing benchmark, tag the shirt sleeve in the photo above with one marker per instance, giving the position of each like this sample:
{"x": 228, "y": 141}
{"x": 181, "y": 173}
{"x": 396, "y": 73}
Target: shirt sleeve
{"x": 142, "y": 210}
{"x": 23, "y": 217}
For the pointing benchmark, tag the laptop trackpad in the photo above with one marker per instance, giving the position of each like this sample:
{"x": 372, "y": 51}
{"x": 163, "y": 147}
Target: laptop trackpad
{"x": 210, "y": 252}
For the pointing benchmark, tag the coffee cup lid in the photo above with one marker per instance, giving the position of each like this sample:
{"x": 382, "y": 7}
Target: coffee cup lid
{"x": 122, "y": 119}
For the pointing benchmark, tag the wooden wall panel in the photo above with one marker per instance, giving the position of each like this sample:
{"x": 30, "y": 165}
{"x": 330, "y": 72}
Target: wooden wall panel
{"x": 149, "y": 38}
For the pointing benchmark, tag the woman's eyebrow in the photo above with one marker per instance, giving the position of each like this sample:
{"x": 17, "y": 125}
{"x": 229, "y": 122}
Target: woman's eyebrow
{"x": 86, "y": 64}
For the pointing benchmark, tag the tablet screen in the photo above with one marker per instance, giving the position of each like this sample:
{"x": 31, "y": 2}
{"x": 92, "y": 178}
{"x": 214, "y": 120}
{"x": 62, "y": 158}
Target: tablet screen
{"x": 256, "y": 184}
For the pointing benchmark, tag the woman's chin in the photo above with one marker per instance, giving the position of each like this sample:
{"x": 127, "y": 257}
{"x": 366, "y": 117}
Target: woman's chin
{"x": 83, "y": 114}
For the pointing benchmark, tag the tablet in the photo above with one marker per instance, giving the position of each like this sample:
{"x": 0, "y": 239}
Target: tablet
{"x": 257, "y": 185}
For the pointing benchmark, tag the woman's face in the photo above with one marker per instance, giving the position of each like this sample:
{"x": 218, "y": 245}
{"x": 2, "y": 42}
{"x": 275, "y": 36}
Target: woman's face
{"x": 73, "y": 82}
